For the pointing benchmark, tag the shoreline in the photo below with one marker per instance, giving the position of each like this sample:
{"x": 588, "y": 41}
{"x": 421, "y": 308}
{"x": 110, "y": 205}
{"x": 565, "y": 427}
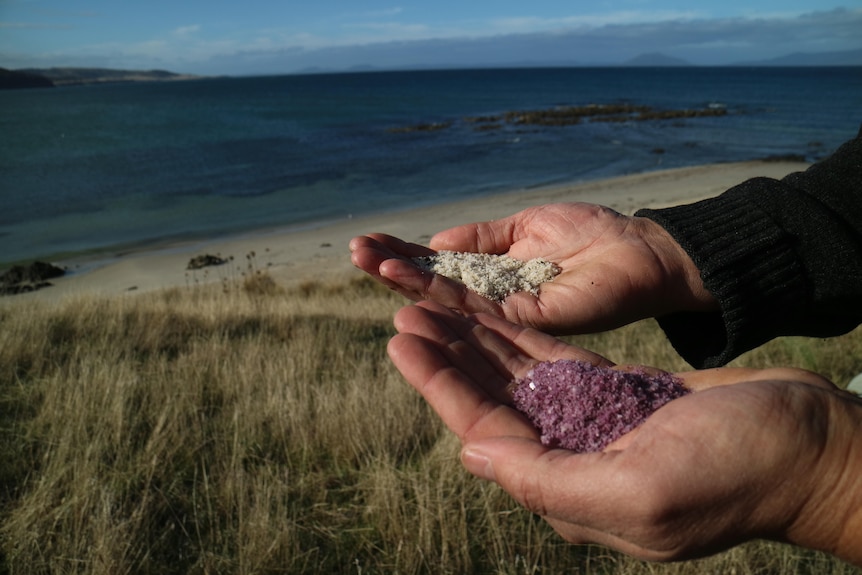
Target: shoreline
{"x": 319, "y": 252}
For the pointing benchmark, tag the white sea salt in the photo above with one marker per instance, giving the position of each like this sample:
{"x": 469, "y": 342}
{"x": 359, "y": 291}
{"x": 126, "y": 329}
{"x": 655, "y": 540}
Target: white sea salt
{"x": 492, "y": 276}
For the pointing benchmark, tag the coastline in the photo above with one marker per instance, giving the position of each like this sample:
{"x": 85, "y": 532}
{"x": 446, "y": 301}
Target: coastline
{"x": 320, "y": 253}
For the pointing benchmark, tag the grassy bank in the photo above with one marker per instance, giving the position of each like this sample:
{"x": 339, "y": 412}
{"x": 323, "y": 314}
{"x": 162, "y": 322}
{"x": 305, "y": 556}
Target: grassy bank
{"x": 244, "y": 428}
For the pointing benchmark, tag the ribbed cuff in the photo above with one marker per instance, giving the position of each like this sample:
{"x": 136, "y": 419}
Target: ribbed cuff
{"x": 746, "y": 261}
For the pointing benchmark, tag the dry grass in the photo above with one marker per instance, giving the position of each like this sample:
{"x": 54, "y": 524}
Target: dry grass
{"x": 246, "y": 428}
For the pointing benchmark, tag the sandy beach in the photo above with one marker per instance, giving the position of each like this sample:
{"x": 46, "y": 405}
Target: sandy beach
{"x": 321, "y": 253}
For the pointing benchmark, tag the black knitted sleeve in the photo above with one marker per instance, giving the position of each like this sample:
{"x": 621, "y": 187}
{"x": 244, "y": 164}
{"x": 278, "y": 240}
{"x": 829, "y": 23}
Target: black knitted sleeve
{"x": 782, "y": 257}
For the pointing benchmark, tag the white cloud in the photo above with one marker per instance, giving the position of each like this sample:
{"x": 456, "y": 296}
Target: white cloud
{"x": 528, "y": 24}
{"x": 186, "y": 31}
{"x": 607, "y": 38}
{"x": 388, "y": 30}
{"x": 384, "y": 13}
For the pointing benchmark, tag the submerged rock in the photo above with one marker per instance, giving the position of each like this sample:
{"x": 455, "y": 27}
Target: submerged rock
{"x": 23, "y": 279}
{"x": 561, "y": 116}
{"x": 205, "y": 261}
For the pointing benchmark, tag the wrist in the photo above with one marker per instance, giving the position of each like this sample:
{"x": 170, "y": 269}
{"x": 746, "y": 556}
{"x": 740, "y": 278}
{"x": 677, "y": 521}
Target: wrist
{"x": 684, "y": 285}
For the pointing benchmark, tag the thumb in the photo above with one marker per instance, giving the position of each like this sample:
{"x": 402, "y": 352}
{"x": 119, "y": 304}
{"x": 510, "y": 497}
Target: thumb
{"x": 539, "y": 478}
{"x": 502, "y": 459}
{"x": 492, "y": 237}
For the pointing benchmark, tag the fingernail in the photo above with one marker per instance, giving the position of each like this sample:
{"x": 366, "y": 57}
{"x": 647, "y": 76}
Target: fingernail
{"x": 478, "y": 464}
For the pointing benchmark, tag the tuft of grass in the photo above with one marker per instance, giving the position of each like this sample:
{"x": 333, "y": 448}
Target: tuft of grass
{"x": 259, "y": 429}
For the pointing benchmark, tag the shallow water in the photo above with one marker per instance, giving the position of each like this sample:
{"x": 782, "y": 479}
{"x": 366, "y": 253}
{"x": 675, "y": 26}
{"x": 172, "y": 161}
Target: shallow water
{"x": 96, "y": 168}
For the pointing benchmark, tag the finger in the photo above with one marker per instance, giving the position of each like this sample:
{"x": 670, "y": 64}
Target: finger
{"x": 395, "y": 246}
{"x": 511, "y": 348}
{"x": 540, "y": 345}
{"x": 429, "y": 285}
{"x": 706, "y": 378}
{"x": 463, "y": 406}
{"x": 370, "y": 261}
{"x": 390, "y": 260}
{"x": 368, "y": 252}
{"x": 492, "y": 351}
{"x": 484, "y": 237}
{"x": 606, "y": 498}
{"x": 578, "y": 493}
{"x": 486, "y": 358}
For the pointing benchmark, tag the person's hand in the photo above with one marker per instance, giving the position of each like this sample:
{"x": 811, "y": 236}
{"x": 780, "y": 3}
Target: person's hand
{"x": 615, "y": 269}
{"x": 771, "y": 453}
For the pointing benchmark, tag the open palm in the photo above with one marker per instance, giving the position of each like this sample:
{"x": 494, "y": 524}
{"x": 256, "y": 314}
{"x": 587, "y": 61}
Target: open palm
{"x": 744, "y": 456}
{"x": 615, "y": 269}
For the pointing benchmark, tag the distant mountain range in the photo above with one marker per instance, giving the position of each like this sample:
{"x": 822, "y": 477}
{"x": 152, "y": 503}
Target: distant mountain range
{"x": 846, "y": 58}
{"x": 656, "y": 59}
{"x": 48, "y": 77}
{"x": 651, "y": 59}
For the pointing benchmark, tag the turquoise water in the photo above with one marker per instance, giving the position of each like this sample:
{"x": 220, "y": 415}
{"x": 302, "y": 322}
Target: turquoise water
{"x": 99, "y": 168}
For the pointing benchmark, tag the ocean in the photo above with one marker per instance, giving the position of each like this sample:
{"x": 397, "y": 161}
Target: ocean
{"x": 100, "y": 169}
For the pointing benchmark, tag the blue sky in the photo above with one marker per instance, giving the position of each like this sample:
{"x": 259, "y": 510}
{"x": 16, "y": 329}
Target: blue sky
{"x": 279, "y": 36}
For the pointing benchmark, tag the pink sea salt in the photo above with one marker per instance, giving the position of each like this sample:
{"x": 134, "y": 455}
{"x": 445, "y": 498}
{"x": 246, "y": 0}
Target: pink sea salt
{"x": 583, "y": 408}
